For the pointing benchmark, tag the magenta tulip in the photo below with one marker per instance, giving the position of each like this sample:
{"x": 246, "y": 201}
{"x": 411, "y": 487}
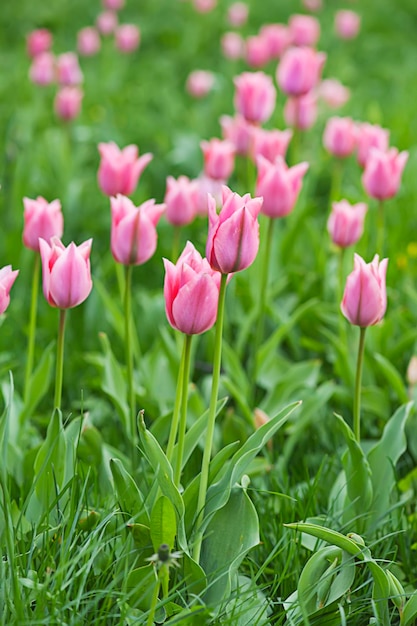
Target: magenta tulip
{"x": 41, "y": 219}
{"x": 133, "y": 230}
{"x": 7, "y": 278}
{"x": 383, "y": 172}
{"x": 182, "y": 198}
{"x": 299, "y": 70}
{"x": 38, "y": 41}
{"x": 257, "y": 51}
{"x": 119, "y": 170}
{"x": 346, "y": 222}
{"x": 277, "y": 37}
{"x": 66, "y": 272}
{"x": 219, "y": 158}
{"x": 233, "y": 236}
{"x": 365, "y": 298}
{"x": 279, "y": 185}
{"x": 191, "y": 290}
{"x": 255, "y": 96}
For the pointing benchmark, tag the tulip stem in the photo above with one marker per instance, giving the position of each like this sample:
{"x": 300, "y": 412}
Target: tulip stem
{"x": 129, "y": 357}
{"x": 177, "y": 406}
{"x": 60, "y": 359}
{"x": 358, "y": 383}
{"x": 184, "y": 403}
{"x": 176, "y": 243}
{"x": 205, "y": 465}
{"x": 380, "y": 229}
{"x": 32, "y": 326}
{"x": 336, "y": 181}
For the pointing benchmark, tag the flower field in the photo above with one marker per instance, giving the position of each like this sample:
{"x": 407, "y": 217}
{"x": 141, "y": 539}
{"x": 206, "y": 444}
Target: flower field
{"x": 208, "y": 311}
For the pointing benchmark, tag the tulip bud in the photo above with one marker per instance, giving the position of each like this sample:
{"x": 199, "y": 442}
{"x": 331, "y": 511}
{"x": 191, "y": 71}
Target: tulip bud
{"x": 255, "y": 96}
{"x": 383, "y": 171}
{"x": 181, "y": 200}
{"x": 340, "y": 136}
{"x": 279, "y": 185}
{"x": 346, "y": 222}
{"x": 219, "y": 158}
{"x": 41, "y": 219}
{"x": 365, "y": 298}
{"x": 270, "y": 143}
{"x": 299, "y": 70}
{"x": 119, "y": 170}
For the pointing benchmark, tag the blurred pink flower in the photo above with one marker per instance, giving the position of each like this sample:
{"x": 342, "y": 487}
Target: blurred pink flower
{"x": 88, "y": 41}
{"x": 219, "y": 158}
{"x": 42, "y": 69}
{"x": 340, "y": 136}
{"x": 68, "y": 69}
{"x": 41, "y": 219}
{"x": 347, "y": 24}
{"x": 133, "y": 230}
{"x": 199, "y": 83}
{"x": 299, "y": 70}
{"x": 239, "y": 132}
{"x": 233, "y": 45}
{"x": 208, "y": 186}
{"x": 113, "y": 5}
{"x": 106, "y": 22}
{"x": 38, "y": 41}
{"x": 304, "y": 30}
{"x": 277, "y": 38}
{"x": 383, "y": 171}
{"x": 66, "y": 272}
{"x": 365, "y": 297}
{"x": 257, "y": 51}
{"x": 67, "y": 103}
{"x": 313, "y": 5}
{"x": 204, "y": 6}
{"x": 7, "y": 278}
{"x": 181, "y": 200}
{"x": 237, "y": 14}
{"x": 233, "y": 235}
{"x": 270, "y": 143}
{"x": 301, "y": 112}
{"x": 371, "y": 136}
{"x": 346, "y": 222}
{"x": 119, "y": 170}
{"x": 191, "y": 291}
{"x": 127, "y": 38}
{"x": 255, "y": 96}
{"x": 333, "y": 93}
{"x": 279, "y": 185}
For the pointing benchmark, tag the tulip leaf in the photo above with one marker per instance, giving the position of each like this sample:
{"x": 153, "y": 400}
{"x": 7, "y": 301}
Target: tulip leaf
{"x": 39, "y": 383}
{"x": 331, "y": 536}
{"x": 409, "y": 614}
{"x": 392, "y": 376}
{"x": 163, "y": 523}
{"x": 128, "y": 494}
{"x": 113, "y": 380}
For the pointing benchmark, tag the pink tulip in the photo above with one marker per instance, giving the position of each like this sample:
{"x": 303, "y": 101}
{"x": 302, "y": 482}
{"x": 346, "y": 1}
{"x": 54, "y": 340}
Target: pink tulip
{"x": 239, "y": 132}
{"x": 254, "y": 96}
{"x": 119, "y": 170}
{"x": 383, "y": 172}
{"x": 301, "y": 112}
{"x": 204, "y": 6}
{"x": 133, "y": 230}
{"x": 7, "y": 278}
{"x": 106, "y": 22}
{"x": 67, "y": 102}
{"x": 127, "y": 38}
{"x": 277, "y": 38}
{"x": 304, "y": 30}
{"x": 42, "y": 69}
{"x": 346, "y": 223}
{"x": 38, "y": 41}
{"x": 347, "y": 24}
{"x": 208, "y": 187}
{"x": 233, "y": 235}
{"x": 219, "y": 158}
{"x": 270, "y": 143}
{"x": 365, "y": 298}
{"x": 340, "y": 136}
{"x": 191, "y": 291}
{"x": 312, "y": 5}
{"x": 371, "y": 136}
{"x": 181, "y": 200}
{"x": 68, "y": 69}
{"x": 41, "y": 219}
{"x": 299, "y": 70}
{"x": 88, "y": 41}
{"x": 199, "y": 83}
{"x": 237, "y": 14}
{"x": 279, "y": 185}
{"x": 233, "y": 45}
{"x": 66, "y": 272}
{"x": 257, "y": 51}
{"x": 113, "y": 5}
{"x": 333, "y": 93}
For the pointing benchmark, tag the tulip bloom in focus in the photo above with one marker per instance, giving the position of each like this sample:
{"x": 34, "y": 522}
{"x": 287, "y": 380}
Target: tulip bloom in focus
{"x": 233, "y": 235}
{"x": 66, "y": 272}
{"x": 383, "y": 171}
{"x": 7, "y": 278}
{"x": 119, "y": 170}
{"x": 365, "y": 298}
{"x": 346, "y": 222}
{"x": 254, "y": 96}
{"x": 133, "y": 230}
{"x": 41, "y": 219}
{"x": 279, "y": 185}
{"x": 191, "y": 290}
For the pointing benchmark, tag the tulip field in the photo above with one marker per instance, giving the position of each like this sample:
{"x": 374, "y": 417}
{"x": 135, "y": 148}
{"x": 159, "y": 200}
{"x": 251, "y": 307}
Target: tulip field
{"x": 208, "y": 311}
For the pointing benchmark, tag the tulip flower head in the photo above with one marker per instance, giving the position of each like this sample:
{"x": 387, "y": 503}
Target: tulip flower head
{"x": 301, "y": 112}
{"x": 270, "y": 143}
{"x": 38, "y": 41}
{"x": 219, "y": 158}
{"x": 67, "y": 103}
{"x": 257, "y": 51}
{"x": 199, "y": 83}
{"x": 365, "y": 298}
{"x": 106, "y": 22}
{"x": 346, "y": 222}
{"x": 237, "y": 14}
{"x": 333, "y": 93}
{"x": 41, "y": 219}
{"x": 383, "y": 171}
{"x": 232, "y": 45}
{"x": 42, "y": 69}
{"x": 304, "y": 30}
{"x": 68, "y": 69}
{"x": 119, "y": 170}
{"x": 133, "y": 230}
{"x": 66, "y": 272}
{"x": 254, "y": 96}
{"x": 371, "y": 136}
{"x": 299, "y": 70}
{"x": 347, "y": 24}
{"x": 181, "y": 199}
{"x": 340, "y": 136}
{"x": 88, "y": 41}
{"x": 7, "y": 278}
{"x": 191, "y": 291}
{"x": 279, "y": 185}
{"x": 239, "y": 132}
{"x": 127, "y": 38}
{"x": 233, "y": 235}
{"x": 277, "y": 38}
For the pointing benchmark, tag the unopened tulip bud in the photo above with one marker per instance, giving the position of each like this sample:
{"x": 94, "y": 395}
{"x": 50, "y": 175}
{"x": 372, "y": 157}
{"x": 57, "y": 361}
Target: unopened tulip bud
{"x": 365, "y": 297}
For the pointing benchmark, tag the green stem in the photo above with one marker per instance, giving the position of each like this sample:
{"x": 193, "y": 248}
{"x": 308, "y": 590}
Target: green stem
{"x": 59, "y": 371}
{"x": 205, "y": 465}
{"x": 296, "y": 137}
{"x": 176, "y": 243}
{"x": 154, "y": 601}
{"x": 380, "y": 229}
{"x": 177, "y": 406}
{"x": 336, "y": 181}
{"x": 32, "y": 326}
{"x": 129, "y": 358}
{"x": 184, "y": 403}
{"x": 358, "y": 382}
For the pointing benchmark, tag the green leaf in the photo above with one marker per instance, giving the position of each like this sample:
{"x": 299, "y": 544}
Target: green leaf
{"x": 128, "y": 494}
{"x": 163, "y": 523}
{"x": 309, "y": 581}
{"x": 410, "y": 611}
{"x": 4, "y": 426}
{"x": 140, "y": 584}
{"x": 331, "y": 536}
{"x": 113, "y": 380}
{"x": 393, "y": 377}
{"x": 383, "y": 458}
{"x": 39, "y": 383}
{"x": 49, "y": 466}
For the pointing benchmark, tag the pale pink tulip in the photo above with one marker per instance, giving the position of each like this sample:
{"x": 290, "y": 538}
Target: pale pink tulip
{"x": 313, "y": 5}
{"x": 237, "y": 14}
{"x": 255, "y": 96}
{"x": 299, "y": 70}
{"x": 38, "y": 41}
{"x": 41, "y": 219}
{"x": 106, "y": 22}
{"x": 7, "y": 278}
{"x": 133, "y": 230}
{"x": 66, "y": 272}
{"x": 347, "y": 24}
{"x": 67, "y": 103}
{"x": 181, "y": 199}
{"x": 127, "y": 38}
{"x": 42, "y": 69}
{"x": 270, "y": 143}
{"x": 88, "y": 41}
{"x": 219, "y": 158}
{"x": 333, "y": 93}
{"x": 304, "y": 30}
{"x": 371, "y": 136}
{"x": 256, "y": 51}
{"x": 200, "y": 83}
{"x": 277, "y": 38}
{"x": 68, "y": 69}
{"x": 239, "y": 132}
{"x": 204, "y": 6}
{"x": 233, "y": 45}
{"x": 383, "y": 171}
{"x": 208, "y": 187}
{"x": 279, "y": 185}
{"x": 346, "y": 222}
{"x": 365, "y": 297}
{"x": 113, "y": 5}
{"x": 340, "y": 136}
{"x": 301, "y": 112}
{"x": 119, "y": 170}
